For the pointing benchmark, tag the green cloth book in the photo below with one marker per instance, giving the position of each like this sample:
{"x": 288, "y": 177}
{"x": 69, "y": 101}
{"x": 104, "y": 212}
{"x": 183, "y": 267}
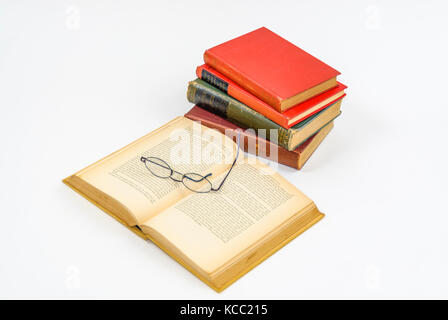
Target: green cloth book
{"x": 214, "y": 100}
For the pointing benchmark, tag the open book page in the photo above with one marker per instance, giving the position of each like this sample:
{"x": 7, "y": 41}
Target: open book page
{"x": 210, "y": 230}
{"x": 125, "y": 178}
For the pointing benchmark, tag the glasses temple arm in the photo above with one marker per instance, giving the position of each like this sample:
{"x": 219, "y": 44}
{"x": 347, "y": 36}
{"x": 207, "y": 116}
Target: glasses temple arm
{"x": 233, "y": 164}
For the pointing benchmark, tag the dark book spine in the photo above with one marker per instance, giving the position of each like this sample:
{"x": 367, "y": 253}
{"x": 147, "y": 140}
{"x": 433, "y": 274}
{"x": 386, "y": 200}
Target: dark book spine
{"x": 212, "y": 99}
{"x": 214, "y": 81}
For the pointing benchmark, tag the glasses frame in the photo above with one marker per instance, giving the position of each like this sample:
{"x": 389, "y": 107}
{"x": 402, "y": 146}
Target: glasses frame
{"x": 162, "y": 163}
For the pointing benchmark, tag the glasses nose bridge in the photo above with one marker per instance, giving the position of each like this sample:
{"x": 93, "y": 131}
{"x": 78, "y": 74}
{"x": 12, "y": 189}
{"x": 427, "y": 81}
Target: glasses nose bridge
{"x": 177, "y": 176}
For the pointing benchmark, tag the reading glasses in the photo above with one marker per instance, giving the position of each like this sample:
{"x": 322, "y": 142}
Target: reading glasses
{"x": 192, "y": 181}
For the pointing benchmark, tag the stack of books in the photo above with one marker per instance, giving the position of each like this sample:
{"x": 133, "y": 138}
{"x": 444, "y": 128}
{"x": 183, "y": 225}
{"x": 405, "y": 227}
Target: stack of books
{"x": 283, "y": 99}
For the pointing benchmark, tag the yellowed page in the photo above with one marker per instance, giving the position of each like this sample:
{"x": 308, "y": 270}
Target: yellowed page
{"x": 211, "y": 230}
{"x": 125, "y": 178}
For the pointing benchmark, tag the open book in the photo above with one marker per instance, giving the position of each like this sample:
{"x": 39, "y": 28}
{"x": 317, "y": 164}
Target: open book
{"x": 219, "y": 235}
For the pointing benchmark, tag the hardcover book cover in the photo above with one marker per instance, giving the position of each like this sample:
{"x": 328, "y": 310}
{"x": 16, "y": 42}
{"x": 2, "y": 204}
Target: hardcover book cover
{"x": 271, "y": 68}
{"x": 288, "y": 118}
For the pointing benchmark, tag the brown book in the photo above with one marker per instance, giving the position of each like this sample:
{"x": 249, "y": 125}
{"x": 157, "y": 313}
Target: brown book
{"x": 295, "y": 159}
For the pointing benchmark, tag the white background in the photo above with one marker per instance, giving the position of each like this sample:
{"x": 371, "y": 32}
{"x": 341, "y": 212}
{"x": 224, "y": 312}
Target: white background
{"x": 81, "y": 79}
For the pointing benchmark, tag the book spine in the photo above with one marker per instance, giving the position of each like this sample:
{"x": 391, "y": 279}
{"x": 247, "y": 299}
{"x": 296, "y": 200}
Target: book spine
{"x": 263, "y": 147}
{"x": 211, "y": 99}
{"x": 245, "y": 82}
{"x": 213, "y": 80}
{"x": 242, "y": 95}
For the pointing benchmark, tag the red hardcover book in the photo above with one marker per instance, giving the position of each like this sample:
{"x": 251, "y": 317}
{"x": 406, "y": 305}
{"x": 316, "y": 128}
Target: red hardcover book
{"x": 271, "y": 68}
{"x": 295, "y": 159}
{"x": 286, "y": 119}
